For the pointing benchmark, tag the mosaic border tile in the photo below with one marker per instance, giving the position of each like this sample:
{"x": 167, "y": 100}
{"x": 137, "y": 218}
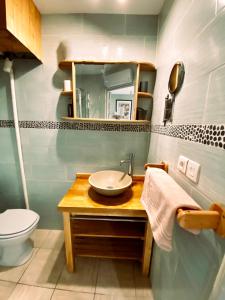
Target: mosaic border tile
{"x": 6, "y": 123}
{"x": 78, "y": 125}
{"x": 210, "y": 134}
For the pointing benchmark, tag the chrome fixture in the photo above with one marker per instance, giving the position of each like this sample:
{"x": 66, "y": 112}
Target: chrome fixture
{"x": 130, "y": 162}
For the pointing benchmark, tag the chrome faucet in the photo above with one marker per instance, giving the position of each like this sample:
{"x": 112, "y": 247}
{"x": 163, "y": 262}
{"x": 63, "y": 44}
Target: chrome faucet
{"x": 130, "y": 162}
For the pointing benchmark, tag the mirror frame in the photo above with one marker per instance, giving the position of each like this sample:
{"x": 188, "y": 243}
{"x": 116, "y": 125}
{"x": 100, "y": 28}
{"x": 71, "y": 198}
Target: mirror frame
{"x": 70, "y": 65}
{"x": 176, "y": 78}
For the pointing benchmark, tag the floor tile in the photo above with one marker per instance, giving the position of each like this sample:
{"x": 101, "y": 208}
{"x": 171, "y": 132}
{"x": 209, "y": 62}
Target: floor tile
{"x": 112, "y": 297}
{"x": 69, "y": 295}
{"x": 54, "y": 240}
{"x": 44, "y": 269}
{"x": 38, "y": 237}
{"x": 26, "y": 292}
{"x": 142, "y": 283}
{"x": 116, "y": 278}
{"x": 83, "y": 279}
{"x": 6, "y": 288}
{"x": 13, "y": 274}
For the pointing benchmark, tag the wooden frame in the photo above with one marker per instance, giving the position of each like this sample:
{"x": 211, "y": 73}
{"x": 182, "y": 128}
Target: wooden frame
{"x": 105, "y": 237}
{"x": 20, "y": 27}
{"x": 214, "y": 218}
{"x": 127, "y": 102}
{"x": 162, "y": 165}
{"x": 141, "y": 66}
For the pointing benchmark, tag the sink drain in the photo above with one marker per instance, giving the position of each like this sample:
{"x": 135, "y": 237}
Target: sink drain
{"x": 109, "y": 187}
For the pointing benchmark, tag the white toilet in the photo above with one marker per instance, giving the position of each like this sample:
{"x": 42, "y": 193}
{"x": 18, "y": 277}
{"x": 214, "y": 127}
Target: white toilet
{"x": 16, "y": 226}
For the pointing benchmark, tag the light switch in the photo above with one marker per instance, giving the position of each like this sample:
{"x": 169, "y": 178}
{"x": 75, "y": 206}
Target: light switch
{"x": 193, "y": 169}
{"x": 182, "y": 164}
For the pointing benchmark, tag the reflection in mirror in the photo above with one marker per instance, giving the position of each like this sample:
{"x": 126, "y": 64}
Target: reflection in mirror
{"x": 119, "y": 103}
{"x": 105, "y": 91}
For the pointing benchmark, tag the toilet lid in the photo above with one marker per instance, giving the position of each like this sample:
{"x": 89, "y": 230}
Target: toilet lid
{"x": 16, "y": 220}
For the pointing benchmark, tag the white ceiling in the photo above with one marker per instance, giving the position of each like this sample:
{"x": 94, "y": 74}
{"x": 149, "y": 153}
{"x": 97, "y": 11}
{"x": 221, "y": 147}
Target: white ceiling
{"x": 137, "y": 7}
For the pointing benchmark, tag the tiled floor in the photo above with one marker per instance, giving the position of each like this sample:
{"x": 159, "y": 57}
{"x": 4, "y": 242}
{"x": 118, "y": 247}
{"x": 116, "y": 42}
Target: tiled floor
{"x": 45, "y": 276}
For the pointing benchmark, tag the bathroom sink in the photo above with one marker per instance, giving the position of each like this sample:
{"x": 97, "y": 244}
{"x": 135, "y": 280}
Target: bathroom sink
{"x": 110, "y": 183}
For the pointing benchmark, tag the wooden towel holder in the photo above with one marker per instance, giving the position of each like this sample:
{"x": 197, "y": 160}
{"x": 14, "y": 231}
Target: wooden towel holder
{"x": 214, "y": 218}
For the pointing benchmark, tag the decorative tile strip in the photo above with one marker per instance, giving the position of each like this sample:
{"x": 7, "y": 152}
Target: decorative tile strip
{"x": 6, "y": 123}
{"x": 80, "y": 125}
{"x": 211, "y": 135}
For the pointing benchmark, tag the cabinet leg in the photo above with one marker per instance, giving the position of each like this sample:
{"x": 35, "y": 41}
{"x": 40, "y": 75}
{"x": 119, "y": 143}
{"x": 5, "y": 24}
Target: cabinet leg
{"x": 147, "y": 249}
{"x": 68, "y": 242}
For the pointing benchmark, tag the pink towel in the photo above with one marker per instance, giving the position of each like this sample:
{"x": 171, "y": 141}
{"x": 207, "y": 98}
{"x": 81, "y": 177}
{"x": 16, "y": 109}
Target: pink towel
{"x": 161, "y": 197}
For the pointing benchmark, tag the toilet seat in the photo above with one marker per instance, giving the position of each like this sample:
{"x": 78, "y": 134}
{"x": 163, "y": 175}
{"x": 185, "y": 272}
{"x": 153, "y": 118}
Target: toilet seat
{"x": 14, "y": 222}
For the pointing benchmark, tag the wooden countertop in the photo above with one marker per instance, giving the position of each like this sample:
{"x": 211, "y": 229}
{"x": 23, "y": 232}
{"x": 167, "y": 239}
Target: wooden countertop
{"x": 82, "y": 199}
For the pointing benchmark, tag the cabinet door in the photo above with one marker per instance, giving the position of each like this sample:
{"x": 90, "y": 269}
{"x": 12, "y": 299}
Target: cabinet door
{"x": 23, "y": 22}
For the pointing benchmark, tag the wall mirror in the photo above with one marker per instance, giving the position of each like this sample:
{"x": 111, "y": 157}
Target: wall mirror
{"x": 174, "y": 85}
{"x": 105, "y": 91}
{"x": 176, "y": 78}
{"x": 115, "y": 91}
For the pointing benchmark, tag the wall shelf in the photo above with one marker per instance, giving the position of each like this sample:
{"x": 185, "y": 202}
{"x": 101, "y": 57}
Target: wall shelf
{"x": 108, "y": 248}
{"x": 107, "y": 229}
{"x": 144, "y": 66}
{"x": 67, "y": 93}
{"x": 144, "y": 95}
{"x": 72, "y": 119}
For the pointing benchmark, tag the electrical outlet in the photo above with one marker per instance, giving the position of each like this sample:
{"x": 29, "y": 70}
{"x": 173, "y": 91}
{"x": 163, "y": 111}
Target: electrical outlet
{"x": 193, "y": 169}
{"x": 182, "y": 163}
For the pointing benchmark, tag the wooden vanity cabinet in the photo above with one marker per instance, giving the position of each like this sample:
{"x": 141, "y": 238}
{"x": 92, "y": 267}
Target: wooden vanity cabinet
{"x": 105, "y": 227}
{"x": 20, "y": 27}
{"x": 109, "y": 237}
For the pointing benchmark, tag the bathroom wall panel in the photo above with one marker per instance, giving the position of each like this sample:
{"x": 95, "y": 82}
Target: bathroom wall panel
{"x": 192, "y": 23}
{"x": 215, "y": 104}
{"x": 44, "y": 197}
{"x": 192, "y": 32}
{"x": 189, "y": 271}
{"x": 52, "y": 156}
{"x": 220, "y": 5}
{"x": 10, "y": 183}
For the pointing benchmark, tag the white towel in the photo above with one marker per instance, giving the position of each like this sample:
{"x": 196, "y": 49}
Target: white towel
{"x": 161, "y": 197}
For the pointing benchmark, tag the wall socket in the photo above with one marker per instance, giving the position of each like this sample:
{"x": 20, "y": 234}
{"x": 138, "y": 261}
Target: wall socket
{"x": 193, "y": 169}
{"x": 182, "y": 164}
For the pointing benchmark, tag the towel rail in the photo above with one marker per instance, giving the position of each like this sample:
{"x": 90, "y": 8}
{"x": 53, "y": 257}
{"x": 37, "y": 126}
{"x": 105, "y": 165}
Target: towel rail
{"x": 162, "y": 165}
{"x": 214, "y": 218}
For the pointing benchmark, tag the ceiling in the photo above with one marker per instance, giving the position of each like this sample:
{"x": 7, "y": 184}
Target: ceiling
{"x": 137, "y": 7}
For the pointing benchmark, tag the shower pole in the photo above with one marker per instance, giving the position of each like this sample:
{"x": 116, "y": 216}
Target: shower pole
{"x": 8, "y": 69}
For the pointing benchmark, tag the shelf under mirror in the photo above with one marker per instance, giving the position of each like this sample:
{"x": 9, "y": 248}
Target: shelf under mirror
{"x": 104, "y": 120}
{"x": 144, "y": 95}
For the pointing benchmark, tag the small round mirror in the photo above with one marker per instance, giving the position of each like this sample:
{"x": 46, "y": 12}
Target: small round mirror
{"x": 176, "y": 78}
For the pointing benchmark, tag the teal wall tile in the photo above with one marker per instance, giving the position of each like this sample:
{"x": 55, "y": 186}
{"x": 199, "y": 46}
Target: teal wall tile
{"x": 104, "y": 23}
{"x": 220, "y": 5}
{"x": 193, "y": 22}
{"x": 52, "y": 157}
{"x": 190, "y": 102}
{"x": 145, "y": 26}
{"x": 215, "y": 104}
{"x": 64, "y": 24}
{"x": 11, "y": 194}
{"x": 150, "y": 48}
{"x": 192, "y": 32}
{"x": 45, "y": 203}
{"x": 183, "y": 273}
